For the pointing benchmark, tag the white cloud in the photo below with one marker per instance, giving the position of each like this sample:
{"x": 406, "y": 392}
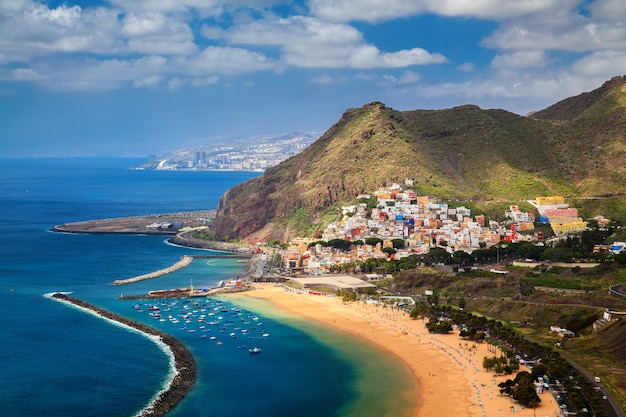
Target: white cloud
{"x": 585, "y": 36}
{"x": 147, "y": 43}
{"x": 467, "y": 67}
{"x": 203, "y": 7}
{"x": 518, "y": 91}
{"x": 521, "y": 59}
{"x": 29, "y": 28}
{"x": 381, "y": 10}
{"x": 226, "y": 60}
{"x": 610, "y": 10}
{"x": 143, "y": 24}
{"x": 601, "y": 65}
{"x": 148, "y": 81}
{"x": 564, "y": 28}
{"x": 312, "y": 43}
{"x": 26, "y": 74}
{"x": 155, "y": 33}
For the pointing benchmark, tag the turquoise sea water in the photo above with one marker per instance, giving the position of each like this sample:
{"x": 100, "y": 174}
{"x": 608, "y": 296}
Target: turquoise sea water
{"x": 59, "y": 361}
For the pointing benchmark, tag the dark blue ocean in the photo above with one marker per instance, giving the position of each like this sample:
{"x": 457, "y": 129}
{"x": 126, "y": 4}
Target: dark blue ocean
{"x": 59, "y": 361}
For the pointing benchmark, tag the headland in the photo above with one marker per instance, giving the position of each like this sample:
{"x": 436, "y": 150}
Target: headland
{"x": 152, "y": 224}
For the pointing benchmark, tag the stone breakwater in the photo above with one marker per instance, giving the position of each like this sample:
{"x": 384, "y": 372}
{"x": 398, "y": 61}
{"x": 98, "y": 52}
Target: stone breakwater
{"x": 185, "y": 261}
{"x": 184, "y": 363}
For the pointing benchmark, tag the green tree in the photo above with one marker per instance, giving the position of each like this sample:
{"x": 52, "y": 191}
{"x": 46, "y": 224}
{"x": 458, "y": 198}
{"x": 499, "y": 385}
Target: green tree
{"x": 341, "y": 244}
{"x": 398, "y": 243}
{"x": 389, "y": 251}
{"x": 521, "y": 389}
{"x": 373, "y": 241}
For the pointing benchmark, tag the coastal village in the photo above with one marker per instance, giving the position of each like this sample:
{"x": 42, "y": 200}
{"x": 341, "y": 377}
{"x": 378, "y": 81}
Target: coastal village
{"x": 387, "y": 216}
{"x": 423, "y": 223}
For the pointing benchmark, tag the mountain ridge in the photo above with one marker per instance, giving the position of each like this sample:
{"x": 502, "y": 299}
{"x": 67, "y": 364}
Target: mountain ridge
{"x": 574, "y": 148}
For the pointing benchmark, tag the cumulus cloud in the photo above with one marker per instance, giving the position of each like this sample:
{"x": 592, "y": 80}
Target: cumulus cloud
{"x": 381, "y": 10}
{"x": 311, "y": 43}
{"x": 520, "y": 59}
{"x": 226, "y": 60}
{"x": 584, "y": 36}
{"x": 29, "y": 29}
{"x": 601, "y": 64}
{"x": 204, "y": 7}
{"x": 150, "y": 43}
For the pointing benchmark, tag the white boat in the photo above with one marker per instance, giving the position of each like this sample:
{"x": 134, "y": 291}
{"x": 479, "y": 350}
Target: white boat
{"x": 254, "y": 350}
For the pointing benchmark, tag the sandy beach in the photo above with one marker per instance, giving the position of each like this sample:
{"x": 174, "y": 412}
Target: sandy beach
{"x": 448, "y": 374}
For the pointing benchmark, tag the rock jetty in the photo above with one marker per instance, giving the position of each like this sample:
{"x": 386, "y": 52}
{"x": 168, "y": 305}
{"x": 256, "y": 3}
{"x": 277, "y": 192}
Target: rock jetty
{"x": 183, "y": 360}
{"x": 185, "y": 261}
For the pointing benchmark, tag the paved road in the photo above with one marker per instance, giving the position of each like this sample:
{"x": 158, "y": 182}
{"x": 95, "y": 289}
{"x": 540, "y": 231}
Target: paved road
{"x": 612, "y": 406}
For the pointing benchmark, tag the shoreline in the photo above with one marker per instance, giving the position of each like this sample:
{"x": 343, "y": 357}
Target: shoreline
{"x": 184, "y": 365}
{"x": 443, "y": 367}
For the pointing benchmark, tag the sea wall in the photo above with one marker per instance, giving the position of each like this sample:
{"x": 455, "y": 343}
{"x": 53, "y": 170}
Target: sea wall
{"x": 185, "y": 239}
{"x": 183, "y": 360}
{"x": 185, "y": 261}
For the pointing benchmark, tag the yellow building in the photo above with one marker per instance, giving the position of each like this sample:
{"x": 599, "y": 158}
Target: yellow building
{"x": 422, "y": 200}
{"x": 545, "y": 201}
{"x": 570, "y": 227}
{"x": 548, "y": 201}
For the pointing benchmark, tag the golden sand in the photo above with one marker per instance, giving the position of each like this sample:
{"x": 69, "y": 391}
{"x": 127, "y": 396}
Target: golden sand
{"x": 448, "y": 374}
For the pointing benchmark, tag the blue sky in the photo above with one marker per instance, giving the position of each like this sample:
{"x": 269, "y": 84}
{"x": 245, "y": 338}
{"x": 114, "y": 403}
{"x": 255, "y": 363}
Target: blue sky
{"x": 136, "y": 77}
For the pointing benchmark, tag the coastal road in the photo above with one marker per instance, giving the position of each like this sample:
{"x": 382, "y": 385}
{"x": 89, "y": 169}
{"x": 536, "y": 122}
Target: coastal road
{"x": 258, "y": 266}
{"x": 612, "y": 406}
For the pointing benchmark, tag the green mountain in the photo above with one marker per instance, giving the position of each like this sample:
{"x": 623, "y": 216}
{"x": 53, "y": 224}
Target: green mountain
{"x": 575, "y": 148}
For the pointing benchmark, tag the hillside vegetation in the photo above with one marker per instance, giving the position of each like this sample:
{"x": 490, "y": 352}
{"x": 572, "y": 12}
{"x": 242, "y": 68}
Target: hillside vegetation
{"x": 575, "y": 148}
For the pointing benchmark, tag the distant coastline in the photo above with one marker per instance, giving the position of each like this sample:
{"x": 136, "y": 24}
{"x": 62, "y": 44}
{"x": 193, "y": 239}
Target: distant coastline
{"x": 184, "y": 362}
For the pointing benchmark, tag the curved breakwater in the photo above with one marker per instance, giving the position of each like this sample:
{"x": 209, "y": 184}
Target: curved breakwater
{"x": 184, "y": 373}
{"x": 185, "y": 261}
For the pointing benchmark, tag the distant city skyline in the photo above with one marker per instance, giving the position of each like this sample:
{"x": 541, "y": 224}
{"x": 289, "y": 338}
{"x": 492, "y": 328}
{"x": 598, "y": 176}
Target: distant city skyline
{"x": 134, "y": 78}
{"x": 256, "y": 154}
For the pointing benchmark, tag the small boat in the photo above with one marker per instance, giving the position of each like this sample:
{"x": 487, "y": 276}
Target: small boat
{"x": 254, "y": 350}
